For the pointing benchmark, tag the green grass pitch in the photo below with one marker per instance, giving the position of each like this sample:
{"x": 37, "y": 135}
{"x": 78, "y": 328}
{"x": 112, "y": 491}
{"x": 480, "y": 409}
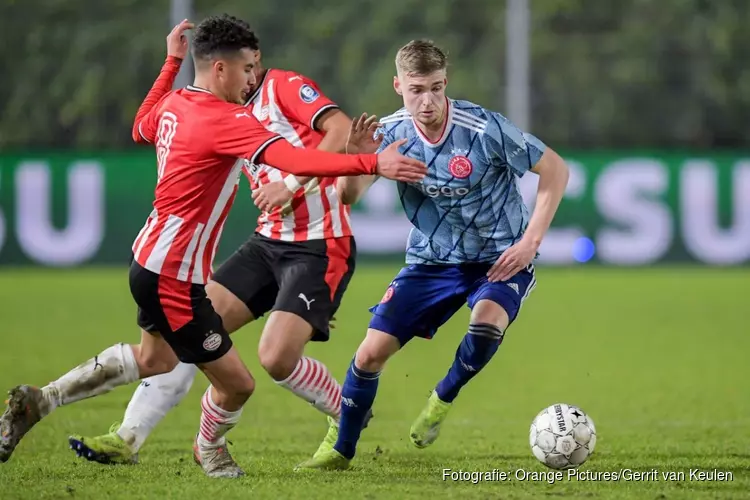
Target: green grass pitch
{"x": 657, "y": 357}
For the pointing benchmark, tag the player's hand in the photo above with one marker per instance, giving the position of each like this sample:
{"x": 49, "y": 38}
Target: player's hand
{"x": 271, "y": 195}
{"x": 512, "y": 261}
{"x": 177, "y": 44}
{"x": 362, "y": 138}
{"x": 332, "y": 323}
{"x": 393, "y": 165}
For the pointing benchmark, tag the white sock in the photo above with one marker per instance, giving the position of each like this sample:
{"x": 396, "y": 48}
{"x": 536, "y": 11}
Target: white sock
{"x": 113, "y": 367}
{"x": 312, "y": 381}
{"x": 215, "y": 422}
{"x": 151, "y": 402}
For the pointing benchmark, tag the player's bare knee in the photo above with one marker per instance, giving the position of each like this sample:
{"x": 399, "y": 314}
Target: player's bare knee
{"x": 153, "y": 355}
{"x": 277, "y": 362}
{"x": 162, "y": 364}
{"x": 234, "y": 313}
{"x": 491, "y": 313}
{"x": 282, "y": 344}
{"x": 151, "y": 363}
{"x": 375, "y": 351}
{"x": 278, "y": 355}
{"x": 369, "y": 361}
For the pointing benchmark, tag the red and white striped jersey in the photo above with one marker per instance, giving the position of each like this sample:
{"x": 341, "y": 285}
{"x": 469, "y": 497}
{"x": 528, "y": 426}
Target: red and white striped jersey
{"x": 289, "y": 104}
{"x": 198, "y": 140}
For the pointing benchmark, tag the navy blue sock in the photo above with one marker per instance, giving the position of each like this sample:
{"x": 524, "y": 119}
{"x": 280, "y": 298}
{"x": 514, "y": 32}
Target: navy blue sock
{"x": 473, "y": 354}
{"x": 357, "y": 397}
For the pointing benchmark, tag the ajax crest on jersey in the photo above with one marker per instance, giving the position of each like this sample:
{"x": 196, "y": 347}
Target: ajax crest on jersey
{"x": 562, "y": 436}
{"x": 460, "y": 166}
{"x": 308, "y": 94}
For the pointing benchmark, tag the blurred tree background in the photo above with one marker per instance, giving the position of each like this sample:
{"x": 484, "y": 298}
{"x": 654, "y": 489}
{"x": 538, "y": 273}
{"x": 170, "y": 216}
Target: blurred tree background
{"x": 605, "y": 73}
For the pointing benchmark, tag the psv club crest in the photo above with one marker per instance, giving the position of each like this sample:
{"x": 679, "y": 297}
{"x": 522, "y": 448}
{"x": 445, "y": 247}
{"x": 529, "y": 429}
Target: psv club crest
{"x": 308, "y": 94}
{"x": 460, "y": 167}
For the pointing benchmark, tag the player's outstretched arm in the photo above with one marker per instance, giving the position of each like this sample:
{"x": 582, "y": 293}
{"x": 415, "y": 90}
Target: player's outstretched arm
{"x": 389, "y": 164}
{"x": 244, "y": 137}
{"x": 553, "y": 178}
{"x": 144, "y": 125}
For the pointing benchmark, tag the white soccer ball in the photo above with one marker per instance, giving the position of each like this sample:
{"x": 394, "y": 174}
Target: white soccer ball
{"x": 562, "y": 436}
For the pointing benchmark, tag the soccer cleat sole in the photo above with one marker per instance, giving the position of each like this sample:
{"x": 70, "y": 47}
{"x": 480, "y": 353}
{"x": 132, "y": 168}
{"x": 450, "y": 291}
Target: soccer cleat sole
{"x": 226, "y": 475}
{"x": 83, "y": 451}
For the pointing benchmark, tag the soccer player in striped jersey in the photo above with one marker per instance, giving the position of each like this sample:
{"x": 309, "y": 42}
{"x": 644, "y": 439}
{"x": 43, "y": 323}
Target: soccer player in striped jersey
{"x": 296, "y": 266}
{"x": 199, "y": 133}
{"x": 473, "y": 242}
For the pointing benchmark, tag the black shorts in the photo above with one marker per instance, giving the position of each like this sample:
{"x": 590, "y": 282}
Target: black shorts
{"x": 306, "y": 278}
{"x": 181, "y": 313}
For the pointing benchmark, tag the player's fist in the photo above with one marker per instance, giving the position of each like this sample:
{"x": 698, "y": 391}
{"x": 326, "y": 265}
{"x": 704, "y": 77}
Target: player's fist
{"x": 177, "y": 44}
{"x": 394, "y": 165}
{"x": 362, "y": 138}
{"x": 272, "y": 195}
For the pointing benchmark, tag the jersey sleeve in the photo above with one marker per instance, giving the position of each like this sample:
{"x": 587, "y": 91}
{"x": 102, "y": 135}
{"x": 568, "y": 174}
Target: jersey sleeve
{"x": 316, "y": 163}
{"x": 146, "y": 119}
{"x": 301, "y": 100}
{"x": 238, "y": 133}
{"x": 507, "y": 145}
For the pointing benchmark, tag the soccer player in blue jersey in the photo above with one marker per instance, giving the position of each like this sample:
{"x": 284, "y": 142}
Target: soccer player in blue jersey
{"x": 473, "y": 242}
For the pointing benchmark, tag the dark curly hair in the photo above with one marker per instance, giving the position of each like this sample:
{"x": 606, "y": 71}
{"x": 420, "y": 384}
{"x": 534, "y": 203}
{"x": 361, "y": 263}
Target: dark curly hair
{"x": 222, "y": 35}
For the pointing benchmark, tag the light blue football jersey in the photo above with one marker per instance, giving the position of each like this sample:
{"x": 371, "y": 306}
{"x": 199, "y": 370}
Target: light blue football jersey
{"x": 469, "y": 207}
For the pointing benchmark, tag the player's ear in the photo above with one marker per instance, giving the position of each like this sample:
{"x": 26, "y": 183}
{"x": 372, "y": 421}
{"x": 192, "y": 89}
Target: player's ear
{"x": 219, "y": 66}
{"x": 397, "y": 86}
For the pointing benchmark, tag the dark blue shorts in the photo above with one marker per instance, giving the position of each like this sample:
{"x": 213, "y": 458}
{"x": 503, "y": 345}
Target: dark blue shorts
{"x": 423, "y": 297}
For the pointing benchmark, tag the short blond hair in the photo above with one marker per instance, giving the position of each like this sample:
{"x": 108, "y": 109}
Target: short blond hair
{"x": 420, "y": 57}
